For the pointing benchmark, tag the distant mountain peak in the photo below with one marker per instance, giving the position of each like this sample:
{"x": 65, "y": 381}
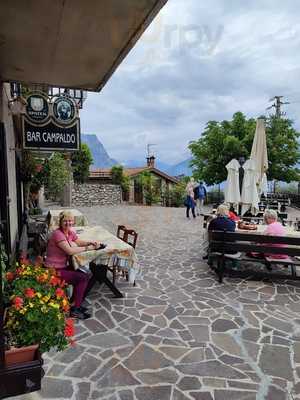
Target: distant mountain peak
{"x": 101, "y": 159}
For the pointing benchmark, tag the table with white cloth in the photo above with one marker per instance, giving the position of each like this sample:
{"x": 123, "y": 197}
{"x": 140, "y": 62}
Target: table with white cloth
{"x": 79, "y": 218}
{"x": 116, "y": 253}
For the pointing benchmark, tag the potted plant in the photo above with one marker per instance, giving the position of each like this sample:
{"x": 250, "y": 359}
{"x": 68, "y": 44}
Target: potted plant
{"x": 37, "y": 311}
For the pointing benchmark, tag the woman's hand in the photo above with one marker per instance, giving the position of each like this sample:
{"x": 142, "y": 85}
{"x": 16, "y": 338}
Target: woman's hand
{"x": 95, "y": 244}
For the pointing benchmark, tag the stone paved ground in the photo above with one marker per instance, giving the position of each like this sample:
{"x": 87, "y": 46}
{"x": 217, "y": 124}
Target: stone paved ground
{"x": 179, "y": 334}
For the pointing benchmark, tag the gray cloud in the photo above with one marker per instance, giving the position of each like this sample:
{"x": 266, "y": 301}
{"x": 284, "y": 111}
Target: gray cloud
{"x": 198, "y": 61}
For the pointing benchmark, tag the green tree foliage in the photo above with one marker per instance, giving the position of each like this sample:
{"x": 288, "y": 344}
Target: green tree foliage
{"x": 58, "y": 175}
{"x": 177, "y": 194}
{"x": 222, "y": 141}
{"x": 81, "y": 161}
{"x": 151, "y": 188}
{"x": 118, "y": 177}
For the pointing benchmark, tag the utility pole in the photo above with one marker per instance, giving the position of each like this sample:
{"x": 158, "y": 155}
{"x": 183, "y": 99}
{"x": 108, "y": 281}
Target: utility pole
{"x": 277, "y": 105}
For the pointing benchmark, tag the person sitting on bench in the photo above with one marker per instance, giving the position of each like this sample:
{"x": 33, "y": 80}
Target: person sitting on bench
{"x": 222, "y": 222}
{"x": 274, "y": 228}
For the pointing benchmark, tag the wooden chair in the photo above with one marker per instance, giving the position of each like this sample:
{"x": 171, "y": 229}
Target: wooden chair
{"x": 128, "y": 235}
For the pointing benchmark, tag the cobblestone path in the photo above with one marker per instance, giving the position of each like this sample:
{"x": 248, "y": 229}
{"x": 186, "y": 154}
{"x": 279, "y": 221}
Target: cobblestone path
{"x": 179, "y": 334}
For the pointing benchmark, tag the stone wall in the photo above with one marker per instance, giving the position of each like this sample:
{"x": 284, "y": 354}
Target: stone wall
{"x": 95, "y": 194}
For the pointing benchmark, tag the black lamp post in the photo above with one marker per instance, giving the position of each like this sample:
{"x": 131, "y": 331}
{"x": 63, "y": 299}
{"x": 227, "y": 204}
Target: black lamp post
{"x": 241, "y": 177}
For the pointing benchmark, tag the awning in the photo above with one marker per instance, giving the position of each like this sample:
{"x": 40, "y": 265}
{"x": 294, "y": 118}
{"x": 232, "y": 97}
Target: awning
{"x": 69, "y": 43}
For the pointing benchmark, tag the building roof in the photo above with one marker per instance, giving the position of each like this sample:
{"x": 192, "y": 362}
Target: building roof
{"x": 131, "y": 172}
{"x": 70, "y": 43}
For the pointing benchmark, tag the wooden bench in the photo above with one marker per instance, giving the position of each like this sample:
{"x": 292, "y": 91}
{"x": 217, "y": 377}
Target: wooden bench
{"x": 221, "y": 244}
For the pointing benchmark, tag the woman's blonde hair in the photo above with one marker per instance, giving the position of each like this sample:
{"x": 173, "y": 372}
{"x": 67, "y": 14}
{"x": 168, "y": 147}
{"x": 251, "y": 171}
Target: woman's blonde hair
{"x": 271, "y": 214}
{"x": 222, "y": 210}
{"x": 65, "y": 215}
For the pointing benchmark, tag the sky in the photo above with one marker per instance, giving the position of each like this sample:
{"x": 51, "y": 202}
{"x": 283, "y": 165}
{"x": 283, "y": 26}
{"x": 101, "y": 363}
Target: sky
{"x": 198, "y": 61}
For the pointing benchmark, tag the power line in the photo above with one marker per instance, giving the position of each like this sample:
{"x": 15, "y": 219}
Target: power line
{"x": 277, "y": 105}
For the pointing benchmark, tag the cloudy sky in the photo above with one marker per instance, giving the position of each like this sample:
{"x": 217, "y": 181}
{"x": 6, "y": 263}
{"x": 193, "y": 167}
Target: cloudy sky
{"x": 198, "y": 61}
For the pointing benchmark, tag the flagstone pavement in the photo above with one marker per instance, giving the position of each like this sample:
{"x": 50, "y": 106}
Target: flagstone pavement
{"x": 179, "y": 334}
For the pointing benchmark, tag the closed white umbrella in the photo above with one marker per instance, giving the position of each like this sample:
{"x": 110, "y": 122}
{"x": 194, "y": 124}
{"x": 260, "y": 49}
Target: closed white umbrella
{"x": 259, "y": 153}
{"x": 232, "y": 189}
{"x": 249, "y": 196}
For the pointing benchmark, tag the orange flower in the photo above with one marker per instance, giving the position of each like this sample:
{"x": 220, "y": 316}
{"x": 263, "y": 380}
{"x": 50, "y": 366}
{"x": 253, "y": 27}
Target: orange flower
{"x": 41, "y": 278}
{"x": 10, "y": 276}
{"x": 29, "y": 293}
{"x": 59, "y": 292}
{"x": 18, "y": 302}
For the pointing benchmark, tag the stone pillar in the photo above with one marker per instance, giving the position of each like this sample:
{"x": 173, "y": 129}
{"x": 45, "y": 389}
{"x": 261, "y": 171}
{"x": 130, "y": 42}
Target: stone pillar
{"x": 131, "y": 192}
{"x": 41, "y": 199}
{"x": 67, "y": 192}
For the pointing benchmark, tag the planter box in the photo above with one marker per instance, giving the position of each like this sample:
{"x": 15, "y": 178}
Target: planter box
{"x": 20, "y": 355}
{"x": 21, "y": 378}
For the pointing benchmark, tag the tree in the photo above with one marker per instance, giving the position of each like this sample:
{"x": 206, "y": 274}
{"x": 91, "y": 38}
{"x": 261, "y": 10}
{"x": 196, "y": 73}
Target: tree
{"x": 222, "y": 141}
{"x": 118, "y": 177}
{"x": 58, "y": 175}
{"x": 177, "y": 194}
{"x": 81, "y": 161}
{"x": 151, "y": 189}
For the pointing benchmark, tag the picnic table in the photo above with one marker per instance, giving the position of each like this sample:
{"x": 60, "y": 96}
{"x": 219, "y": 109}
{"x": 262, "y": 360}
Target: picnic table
{"x": 116, "y": 254}
{"x": 289, "y": 231}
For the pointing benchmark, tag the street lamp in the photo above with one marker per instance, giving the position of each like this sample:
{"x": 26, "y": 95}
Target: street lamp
{"x": 241, "y": 177}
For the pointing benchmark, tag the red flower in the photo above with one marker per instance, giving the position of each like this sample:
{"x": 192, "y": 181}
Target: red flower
{"x": 69, "y": 328}
{"x": 54, "y": 281}
{"x": 29, "y": 293}
{"x": 59, "y": 292}
{"x": 38, "y": 168}
{"x": 18, "y": 302}
{"x": 10, "y": 276}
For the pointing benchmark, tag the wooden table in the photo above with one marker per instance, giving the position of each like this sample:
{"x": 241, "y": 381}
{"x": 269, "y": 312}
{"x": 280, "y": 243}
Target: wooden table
{"x": 116, "y": 252}
{"x": 288, "y": 231}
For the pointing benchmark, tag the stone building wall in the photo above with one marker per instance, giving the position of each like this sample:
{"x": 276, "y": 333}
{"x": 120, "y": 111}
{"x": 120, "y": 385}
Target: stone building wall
{"x": 95, "y": 194}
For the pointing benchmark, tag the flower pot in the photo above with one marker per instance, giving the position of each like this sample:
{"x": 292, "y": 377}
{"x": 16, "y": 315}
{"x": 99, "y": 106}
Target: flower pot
{"x": 21, "y": 354}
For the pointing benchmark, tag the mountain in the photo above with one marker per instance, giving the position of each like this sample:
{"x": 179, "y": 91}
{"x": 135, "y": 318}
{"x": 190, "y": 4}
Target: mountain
{"x": 182, "y": 168}
{"x": 101, "y": 158}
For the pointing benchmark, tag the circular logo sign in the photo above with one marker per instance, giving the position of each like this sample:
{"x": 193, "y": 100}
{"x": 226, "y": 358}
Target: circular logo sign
{"x": 37, "y": 108}
{"x": 64, "y": 110}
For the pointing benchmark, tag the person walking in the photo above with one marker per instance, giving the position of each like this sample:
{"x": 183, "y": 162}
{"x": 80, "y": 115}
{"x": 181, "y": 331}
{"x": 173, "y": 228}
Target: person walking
{"x": 199, "y": 196}
{"x": 189, "y": 201}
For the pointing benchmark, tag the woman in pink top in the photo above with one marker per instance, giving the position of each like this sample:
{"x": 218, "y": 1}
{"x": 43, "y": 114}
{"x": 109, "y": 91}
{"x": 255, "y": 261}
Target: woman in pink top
{"x": 62, "y": 244}
{"x": 274, "y": 228}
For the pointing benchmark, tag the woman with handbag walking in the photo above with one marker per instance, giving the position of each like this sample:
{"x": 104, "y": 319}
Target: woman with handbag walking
{"x": 189, "y": 201}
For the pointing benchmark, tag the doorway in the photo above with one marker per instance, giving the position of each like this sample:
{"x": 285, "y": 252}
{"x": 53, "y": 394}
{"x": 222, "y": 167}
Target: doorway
{"x": 4, "y": 198}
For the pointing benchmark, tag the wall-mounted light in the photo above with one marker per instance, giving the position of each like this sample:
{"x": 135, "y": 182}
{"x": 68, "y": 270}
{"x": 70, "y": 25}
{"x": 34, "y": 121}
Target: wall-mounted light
{"x": 17, "y": 105}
